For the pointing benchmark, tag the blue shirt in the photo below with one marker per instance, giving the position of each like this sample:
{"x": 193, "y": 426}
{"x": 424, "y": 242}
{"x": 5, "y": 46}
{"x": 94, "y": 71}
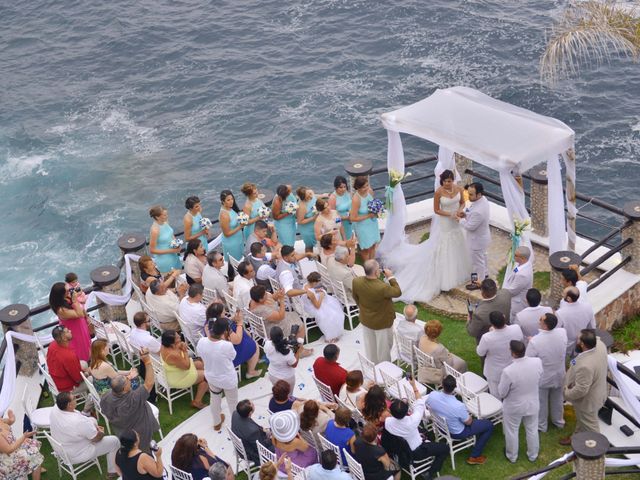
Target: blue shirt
{"x": 450, "y": 408}
{"x": 339, "y": 436}
{"x": 316, "y": 472}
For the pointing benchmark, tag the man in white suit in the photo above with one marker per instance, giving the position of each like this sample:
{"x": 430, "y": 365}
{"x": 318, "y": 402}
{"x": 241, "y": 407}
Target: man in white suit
{"x": 529, "y": 318}
{"x": 520, "y": 280}
{"x": 574, "y": 316}
{"x": 494, "y": 346}
{"x": 550, "y": 346}
{"x": 475, "y": 220}
{"x": 518, "y": 390}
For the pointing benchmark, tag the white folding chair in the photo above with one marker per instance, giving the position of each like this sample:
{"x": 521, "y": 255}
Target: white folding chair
{"x": 93, "y": 393}
{"x": 424, "y": 361}
{"x": 406, "y": 357}
{"x": 257, "y": 327}
{"x": 309, "y": 322}
{"x": 325, "y": 390}
{"x": 64, "y": 462}
{"x": 242, "y": 459}
{"x": 234, "y": 263}
{"x": 310, "y": 438}
{"x": 275, "y": 284}
{"x": 102, "y": 332}
{"x": 138, "y": 291}
{"x": 232, "y": 303}
{"x": 126, "y": 349}
{"x": 156, "y": 414}
{"x": 326, "y": 278}
{"x": 209, "y": 296}
{"x": 441, "y": 430}
{"x": 356, "y": 415}
{"x": 372, "y": 371}
{"x": 191, "y": 346}
{"x": 162, "y": 385}
{"x": 154, "y": 324}
{"x": 327, "y": 445}
{"x": 177, "y": 474}
{"x": 355, "y": 469}
{"x": 80, "y": 397}
{"x": 265, "y": 454}
{"x": 298, "y": 472}
{"x": 351, "y": 309}
{"x": 474, "y": 382}
{"x": 416, "y": 468}
{"x": 482, "y": 405}
{"x": 40, "y": 418}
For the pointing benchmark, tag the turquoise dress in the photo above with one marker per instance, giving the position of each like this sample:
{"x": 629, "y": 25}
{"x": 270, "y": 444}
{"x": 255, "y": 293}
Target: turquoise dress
{"x": 166, "y": 261}
{"x": 195, "y": 227}
{"x": 367, "y": 230}
{"x": 286, "y": 227}
{"x": 343, "y": 207}
{"x": 306, "y": 230}
{"x": 255, "y": 206}
{"x": 233, "y": 245}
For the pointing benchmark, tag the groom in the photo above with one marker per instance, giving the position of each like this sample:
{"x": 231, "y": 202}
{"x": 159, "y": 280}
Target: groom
{"x": 475, "y": 220}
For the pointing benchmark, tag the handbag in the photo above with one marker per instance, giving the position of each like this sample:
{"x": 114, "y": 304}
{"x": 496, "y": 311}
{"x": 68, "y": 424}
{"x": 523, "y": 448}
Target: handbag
{"x": 430, "y": 375}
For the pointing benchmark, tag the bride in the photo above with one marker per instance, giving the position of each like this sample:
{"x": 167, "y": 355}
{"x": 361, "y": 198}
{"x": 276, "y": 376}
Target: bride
{"x": 442, "y": 262}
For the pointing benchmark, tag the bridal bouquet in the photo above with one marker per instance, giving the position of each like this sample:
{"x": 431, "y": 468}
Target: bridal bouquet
{"x": 290, "y": 207}
{"x": 376, "y": 207}
{"x": 264, "y": 212}
{"x": 519, "y": 227}
{"x": 395, "y": 177}
{"x": 205, "y": 223}
{"x": 176, "y": 243}
{"x": 243, "y": 218}
{"x": 314, "y": 210}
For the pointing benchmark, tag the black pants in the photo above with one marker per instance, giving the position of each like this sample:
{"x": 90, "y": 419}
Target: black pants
{"x": 440, "y": 452}
{"x": 141, "y": 373}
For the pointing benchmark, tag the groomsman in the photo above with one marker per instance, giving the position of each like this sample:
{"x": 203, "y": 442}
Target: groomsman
{"x": 493, "y": 300}
{"x": 574, "y": 316}
{"x": 475, "y": 220}
{"x": 520, "y": 280}
{"x": 529, "y": 318}
{"x": 550, "y": 346}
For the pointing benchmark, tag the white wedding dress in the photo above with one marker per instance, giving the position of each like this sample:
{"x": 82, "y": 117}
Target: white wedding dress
{"x": 329, "y": 317}
{"x": 438, "y": 264}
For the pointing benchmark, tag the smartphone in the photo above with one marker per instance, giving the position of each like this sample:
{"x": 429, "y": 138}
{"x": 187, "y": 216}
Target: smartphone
{"x": 474, "y": 277}
{"x": 408, "y": 376}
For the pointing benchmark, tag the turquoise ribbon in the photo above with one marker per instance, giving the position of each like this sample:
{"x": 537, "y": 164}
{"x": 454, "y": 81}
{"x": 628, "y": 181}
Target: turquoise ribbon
{"x": 515, "y": 243}
{"x": 388, "y": 196}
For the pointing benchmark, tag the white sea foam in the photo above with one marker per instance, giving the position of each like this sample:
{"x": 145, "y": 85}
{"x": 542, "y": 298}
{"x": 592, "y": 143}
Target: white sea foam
{"x": 23, "y": 166}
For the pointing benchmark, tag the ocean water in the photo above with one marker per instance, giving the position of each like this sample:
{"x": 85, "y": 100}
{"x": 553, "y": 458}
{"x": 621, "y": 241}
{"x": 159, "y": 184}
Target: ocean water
{"x": 110, "y": 107}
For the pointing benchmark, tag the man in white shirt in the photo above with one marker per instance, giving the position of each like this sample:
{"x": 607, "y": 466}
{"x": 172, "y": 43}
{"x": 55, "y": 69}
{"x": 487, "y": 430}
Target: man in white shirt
{"x": 81, "y": 437}
{"x": 260, "y": 234}
{"x": 262, "y": 264}
{"x": 192, "y": 312}
{"x": 574, "y": 316}
{"x": 243, "y": 282}
{"x": 571, "y": 278}
{"x": 407, "y": 327}
{"x": 342, "y": 267}
{"x": 520, "y": 280}
{"x": 550, "y": 346}
{"x": 217, "y": 353}
{"x": 165, "y": 305}
{"x": 289, "y": 273}
{"x": 140, "y": 336}
{"x": 494, "y": 346}
{"x": 518, "y": 389}
{"x": 529, "y": 318}
{"x": 212, "y": 276}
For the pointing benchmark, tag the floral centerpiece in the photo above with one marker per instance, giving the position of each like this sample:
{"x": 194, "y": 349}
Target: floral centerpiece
{"x": 376, "y": 207}
{"x": 395, "y": 177}
{"x": 243, "y": 218}
{"x": 264, "y": 212}
{"x": 205, "y": 223}
{"x": 519, "y": 227}
{"x": 176, "y": 243}
{"x": 291, "y": 207}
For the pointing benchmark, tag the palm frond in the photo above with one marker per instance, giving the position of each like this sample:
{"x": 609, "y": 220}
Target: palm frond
{"x": 590, "y": 32}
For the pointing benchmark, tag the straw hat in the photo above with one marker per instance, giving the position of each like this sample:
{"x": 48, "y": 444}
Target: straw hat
{"x": 284, "y": 425}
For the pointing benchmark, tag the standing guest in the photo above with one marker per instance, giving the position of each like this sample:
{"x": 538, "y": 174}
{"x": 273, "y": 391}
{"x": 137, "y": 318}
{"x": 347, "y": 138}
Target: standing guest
{"x": 81, "y": 437}
{"x": 160, "y": 238}
{"x": 282, "y": 360}
{"x": 149, "y": 272}
{"x": 520, "y": 280}
{"x": 571, "y": 278}
{"x": 529, "y": 318}
{"x": 461, "y": 424}
{"x": 251, "y": 207}
{"x": 492, "y": 300}
{"x": 64, "y": 303}
{"x": 518, "y": 389}
{"x": 326, "y": 309}
{"x": 135, "y": 464}
{"x": 585, "y": 384}
{"x": 193, "y": 313}
{"x": 306, "y": 217}
{"x": 217, "y": 353}
{"x": 364, "y": 223}
{"x": 213, "y": 277}
{"x": 574, "y": 316}
{"x": 232, "y": 239}
{"x": 339, "y": 433}
{"x": 247, "y": 430}
{"x": 263, "y": 263}
{"x": 102, "y": 371}
{"x": 128, "y": 409}
{"x": 430, "y": 345}
{"x": 314, "y": 416}
{"x": 328, "y": 221}
{"x": 353, "y": 389}
{"x": 328, "y": 370}
{"x": 140, "y": 337}
{"x": 243, "y": 282}
{"x": 191, "y": 221}
{"x": 494, "y": 346}
{"x": 165, "y": 304}
{"x": 344, "y": 269}
{"x": 374, "y": 459}
{"x": 192, "y": 455}
{"x": 282, "y": 399}
{"x": 375, "y": 300}
{"x": 327, "y": 469}
{"x": 71, "y": 279}
{"x": 181, "y": 371}
{"x": 285, "y": 222}
{"x": 340, "y": 200}
{"x": 407, "y": 327}
{"x": 195, "y": 258}
{"x": 475, "y": 220}
{"x": 284, "y": 433}
{"x": 21, "y": 457}
{"x": 550, "y": 346}
{"x": 265, "y": 234}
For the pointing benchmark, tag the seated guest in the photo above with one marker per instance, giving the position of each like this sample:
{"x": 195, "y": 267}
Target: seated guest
{"x": 193, "y": 313}
{"x": 181, "y": 371}
{"x": 326, "y": 309}
{"x": 149, "y": 272}
{"x": 429, "y": 344}
{"x": 21, "y": 457}
{"x": 327, "y": 469}
{"x": 102, "y": 371}
{"x": 63, "y": 365}
{"x": 529, "y": 318}
{"x": 327, "y": 221}
{"x": 220, "y": 471}
{"x": 339, "y": 433}
{"x": 282, "y": 399}
{"x": 284, "y": 434}
{"x": 140, "y": 337}
{"x": 373, "y": 406}
{"x": 192, "y": 455}
{"x": 328, "y": 245}
{"x": 80, "y": 436}
{"x": 492, "y": 300}
{"x": 134, "y": 464}
{"x": 282, "y": 360}
{"x": 571, "y": 278}
{"x": 376, "y": 464}
{"x": 264, "y": 234}
{"x": 461, "y": 424}
{"x": 247, "y": 430}
{"x": 353, "y": 388}
{"x": 574, "y": 315}
{"x": 344, "y": 269}
{"x": 165, "y": 304}
{"x": 128, "y": 409}
{"x": 263, "y": 264}
{"x": 520, "y": 280}
{"x": 213, "y": 277}
{"x": 289, "y": 272}
{"x": 195, "y": 258}
{"x": 243, "y": 282}
{"x": 269, "y": 470}
{"x": 328, "y": 370}
{"x": 407, "y": 326}
{"x": 314, "y": 416}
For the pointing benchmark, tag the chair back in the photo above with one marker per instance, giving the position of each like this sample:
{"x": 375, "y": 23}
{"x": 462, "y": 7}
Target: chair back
{"x": 423, "y": 359}
{"x": 158, "y": 371}
{"x": 325, "y": 390}
{"x": 234, "y": 263}
{"x": 186, "y": 331}
{"x": 275, "y": 284}
{"x": 310, "y": 438}
{"x": 232, "y": 303}
{"x": 138, "y": 291}
{"x": 257, "y": 327}
{"x": 49, "y": 380}
{"x": 238, "y": 446}
{"x": 27, "y": 402}
{"x": 265, "y": 454}
{"x": 391, "y": 385}
{"x": 58, "y": 450}
{"x": 99, "y": 328}
{"x": 405, "y": 346}
{"x": 327, "y": 445}
{"x": 177, "y": 474}
{"x": 453, "y": 372}
{"x": 440, "y": 426}
{"x": 92, "y": 390}
{"x": 368, "y": 368}
{"x": 327, "y": 281}
{"x": 298, "y": 472}
{"x": 125, "y": 348}
{"x": 208, "y": 296}
{"x": 355, "y": 469}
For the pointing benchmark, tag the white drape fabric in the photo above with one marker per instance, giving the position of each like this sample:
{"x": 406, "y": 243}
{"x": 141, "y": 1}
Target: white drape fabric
{"x": 570, "y": 172}
{"x": 394, "y": 227}
{"x": 555, "y": 206}
{"x": 9, "y": 381}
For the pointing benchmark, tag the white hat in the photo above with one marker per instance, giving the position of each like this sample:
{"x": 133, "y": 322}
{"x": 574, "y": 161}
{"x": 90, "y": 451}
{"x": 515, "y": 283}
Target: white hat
{"x": 284, "y": 425}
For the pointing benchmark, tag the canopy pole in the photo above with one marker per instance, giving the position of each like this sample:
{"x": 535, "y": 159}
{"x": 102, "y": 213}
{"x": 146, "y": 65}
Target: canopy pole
{"x": 462, "y": 165}
{"x": 570, "y": 164}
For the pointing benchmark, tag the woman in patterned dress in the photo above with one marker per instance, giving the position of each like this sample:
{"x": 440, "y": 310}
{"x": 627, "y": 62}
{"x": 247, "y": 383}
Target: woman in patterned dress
{"x": 21, "y": 457}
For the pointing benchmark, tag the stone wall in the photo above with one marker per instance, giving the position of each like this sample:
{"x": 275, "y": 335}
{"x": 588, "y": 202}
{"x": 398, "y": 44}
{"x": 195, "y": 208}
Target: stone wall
{"x": 621, "y": 310}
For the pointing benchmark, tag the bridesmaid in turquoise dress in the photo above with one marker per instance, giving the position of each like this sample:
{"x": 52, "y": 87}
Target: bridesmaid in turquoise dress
{"x": 160, "y": 239}
{"x": 192, "y": 229}
{"x": 285, "y": 222}
{"x": 232, "y": 239}
{"x": 364, "y": 223}
{"x": 251, "y": 207}
{"x": 340, "y": 200}
{"x": 306, "y": 217}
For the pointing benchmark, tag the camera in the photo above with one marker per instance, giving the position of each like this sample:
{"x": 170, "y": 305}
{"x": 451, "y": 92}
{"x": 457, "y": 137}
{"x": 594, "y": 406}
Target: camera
{"x": 292, "y": 340}
{"x": 153, "y": 445}
{"x": 77, "y": 289}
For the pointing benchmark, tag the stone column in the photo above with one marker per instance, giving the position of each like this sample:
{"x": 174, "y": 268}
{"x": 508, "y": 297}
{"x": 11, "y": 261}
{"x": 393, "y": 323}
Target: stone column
{"x": 266, "y": 196}
{"x": 357, "y": 168}
{"x": 632, "y": 211}
{"x": 559, "y": 261}
{"x": 16, "y": 318}
{"x": 462, "y": 164}
{"x": 539, "y": 201}
{"x": 135, "y": 243}
{"x": 590, "y": 449}
{"x": 107, "y": 279}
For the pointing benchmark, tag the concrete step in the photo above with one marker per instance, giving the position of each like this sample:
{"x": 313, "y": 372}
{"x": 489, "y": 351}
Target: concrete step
{"x": 448, "y": 305}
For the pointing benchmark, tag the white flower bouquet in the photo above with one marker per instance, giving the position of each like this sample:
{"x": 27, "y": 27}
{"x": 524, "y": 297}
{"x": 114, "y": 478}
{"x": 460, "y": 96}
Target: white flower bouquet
{"x": 519, "y": 227}
{"x": 176, "y": 243}
{"x": 243, "y": 218}
{"x": 314, "y": 210}
{"x": 395, "y": 178}
{"x": 264, "y": 212}
{"x": 291, "y": 207}
{"x": 205, "y": 223}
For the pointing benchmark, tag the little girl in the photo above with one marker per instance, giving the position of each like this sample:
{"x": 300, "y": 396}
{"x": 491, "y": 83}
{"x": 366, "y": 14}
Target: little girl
{"x": 326, "y": 309}
{"x": 71, "y": 279}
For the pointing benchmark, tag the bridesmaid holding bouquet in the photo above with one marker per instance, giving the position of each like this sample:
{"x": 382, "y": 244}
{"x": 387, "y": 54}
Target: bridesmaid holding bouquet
{"x": 364, "y": 223}
{"x": 251, "y": 207}
{"x": 162, "y": 242}
{"x": 192, "y": 227}
{"x": 231, "y": 225}
{"x": 284, "y": 210}
{"x": 306, "y": 217}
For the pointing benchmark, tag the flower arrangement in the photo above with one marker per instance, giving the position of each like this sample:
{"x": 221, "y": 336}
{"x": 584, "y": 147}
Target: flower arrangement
{"x": 376, "y": 207}
{"x": 519, "y": 227}
{"x": 205, "y": 223}
{"x": 243, "y": 218}
{"x": 314, "y": 210}
{"x": 395, "y": 178}
{"x": 176, "y": 243}
{"x": 264, "y": 212}
{"x": 291, "y": 207}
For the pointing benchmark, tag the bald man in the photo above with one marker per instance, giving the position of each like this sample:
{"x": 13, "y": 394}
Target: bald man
{"x": 519, "y": 281}
{"x": 407, "y": 326}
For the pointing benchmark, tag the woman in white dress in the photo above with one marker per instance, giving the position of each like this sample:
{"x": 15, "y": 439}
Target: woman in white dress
{"x": 326, "y": 309}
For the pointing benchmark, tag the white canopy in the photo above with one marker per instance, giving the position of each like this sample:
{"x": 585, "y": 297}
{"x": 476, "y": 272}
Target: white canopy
{"x": 489, "y": 131}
